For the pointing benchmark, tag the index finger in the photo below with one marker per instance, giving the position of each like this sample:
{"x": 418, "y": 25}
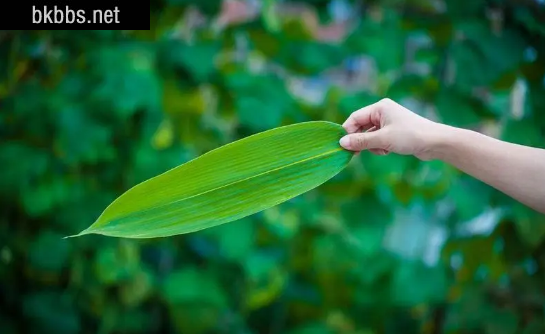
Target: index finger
{"x": 361, "y": 118}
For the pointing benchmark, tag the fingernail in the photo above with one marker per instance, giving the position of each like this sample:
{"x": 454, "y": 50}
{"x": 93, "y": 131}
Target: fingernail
{"x": 345, "y": 142}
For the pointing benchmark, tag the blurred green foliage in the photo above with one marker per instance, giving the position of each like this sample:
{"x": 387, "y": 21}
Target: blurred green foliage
{"x": 390, "y": 245}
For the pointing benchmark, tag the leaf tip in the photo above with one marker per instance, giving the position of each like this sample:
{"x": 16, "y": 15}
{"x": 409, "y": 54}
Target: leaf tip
{"x": 82, "y": 233}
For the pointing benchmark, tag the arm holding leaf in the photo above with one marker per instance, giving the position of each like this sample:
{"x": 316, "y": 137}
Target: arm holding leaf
{"x": 516, "y": 170}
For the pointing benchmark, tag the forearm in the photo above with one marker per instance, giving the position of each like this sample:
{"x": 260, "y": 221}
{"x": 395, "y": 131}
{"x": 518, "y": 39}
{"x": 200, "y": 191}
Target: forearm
{"x": 517, "y": 171}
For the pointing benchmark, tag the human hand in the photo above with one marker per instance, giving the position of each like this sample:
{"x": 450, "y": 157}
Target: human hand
{"x": 386, "y": 127}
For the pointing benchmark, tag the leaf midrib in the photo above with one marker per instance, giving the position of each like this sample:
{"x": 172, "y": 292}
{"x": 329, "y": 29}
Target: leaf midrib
{"x": 238, "y": 181}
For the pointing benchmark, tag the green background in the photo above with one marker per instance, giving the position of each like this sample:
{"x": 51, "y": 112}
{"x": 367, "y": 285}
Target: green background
{"x": 390, "y": 245}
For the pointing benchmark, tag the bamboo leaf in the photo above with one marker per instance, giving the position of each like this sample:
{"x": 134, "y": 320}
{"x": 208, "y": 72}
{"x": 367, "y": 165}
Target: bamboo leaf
{"x": 228, "y": 183}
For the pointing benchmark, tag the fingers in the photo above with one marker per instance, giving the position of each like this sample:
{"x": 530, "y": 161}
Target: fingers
{"x": 364, "y": 141}
{"x": 363, "y": 118}
{"x": 379, "y": 151}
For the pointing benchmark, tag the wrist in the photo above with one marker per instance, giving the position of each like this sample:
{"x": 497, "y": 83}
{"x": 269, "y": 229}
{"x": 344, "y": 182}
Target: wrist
{"x": 442, "y": 141}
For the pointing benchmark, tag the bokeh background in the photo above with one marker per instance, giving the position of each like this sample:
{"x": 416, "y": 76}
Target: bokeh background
{"x": 390, "y": 245}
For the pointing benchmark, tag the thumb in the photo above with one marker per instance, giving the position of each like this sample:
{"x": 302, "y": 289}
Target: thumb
{"x": 363, "y": 141}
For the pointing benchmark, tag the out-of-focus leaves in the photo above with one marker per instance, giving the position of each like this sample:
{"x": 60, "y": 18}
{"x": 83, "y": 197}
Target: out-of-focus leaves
{"x": 524, "y": 15}
{"x": 535, "y": 327}
{"x": 367, "y": 212}
{"x": 177, "y": 100}
{"x": 475, "y": 55}
{"x": 126, "y": 77}
{"x": 523, "y": 132}
{"x": 387, "y": 169}
{"x": 481, "y": 315}
{"x": 7, "y": 325}
{"x": 17, "y": 177}
{"x": 147, "y": 162}
{"x": 261, "y": 102}
{"x": 316, "y": 328}
{"x": 235, "y": 241}
{"x": 369, "y": 38}
{"x": 191, "y": 285}
{"x": 270, "y": 17}
{"x": 529, "y": 224}
{"x": 350, "y": 103}
{"x": 116, "y": 264}
{"x": 456, "y": 9}
{"x": 413, "y": 86}
{"x": 197, "y": 60}
{"x": 209, "y": 7}
{"x": 432, "y": 287}
{"x": 470, "y": 197}
{"x": 48, "y": 254}
{"x": 312, "y": 57}
{"x": 458, "y": 109}
{"x": 164, "y": 136}
{"x": 266, "y": 279}
{"x": 86, "y": 115}
{"x": 82, "y": 138}
{"x": 51, "y": 311}
{"x": 433, "y": 178}
{"x": 128, "y": 321}
{"x": 48, "y": 194}
{"x": 138, "y": 288}
{"x": 284, "y": 223}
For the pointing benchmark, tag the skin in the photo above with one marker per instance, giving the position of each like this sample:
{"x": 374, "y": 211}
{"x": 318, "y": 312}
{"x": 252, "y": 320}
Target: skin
{"x": 387, "y": 127}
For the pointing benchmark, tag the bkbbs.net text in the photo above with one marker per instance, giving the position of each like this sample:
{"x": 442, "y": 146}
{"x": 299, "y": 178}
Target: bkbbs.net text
{"x": 59, "y": 15}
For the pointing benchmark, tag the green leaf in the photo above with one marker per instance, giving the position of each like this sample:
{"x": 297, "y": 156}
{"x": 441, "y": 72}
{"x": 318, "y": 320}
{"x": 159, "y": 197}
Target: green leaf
{"x": 229, "y": 183}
